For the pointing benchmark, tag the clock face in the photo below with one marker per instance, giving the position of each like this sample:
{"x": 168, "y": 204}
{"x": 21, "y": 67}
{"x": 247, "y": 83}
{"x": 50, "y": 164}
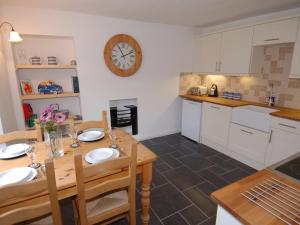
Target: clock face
{"x": 123, "y": 55}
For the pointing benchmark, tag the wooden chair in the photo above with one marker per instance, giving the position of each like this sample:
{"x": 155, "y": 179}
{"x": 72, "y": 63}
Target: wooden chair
{"x": 93, "y": 124}
{"x": 21, "y": 135}
{"x": 34, "y": 210}
{"x": 110, "y": 200}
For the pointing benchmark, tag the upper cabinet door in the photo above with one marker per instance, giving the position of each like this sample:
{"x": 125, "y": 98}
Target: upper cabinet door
{"x": 295, "y": 67}
{"x": 207, "y": 53}
{"x": 283, "y": 31}
{"x": 236, "y": 51}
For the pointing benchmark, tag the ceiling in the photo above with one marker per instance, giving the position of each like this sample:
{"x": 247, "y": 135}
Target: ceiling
{"x": 200, "y": 13}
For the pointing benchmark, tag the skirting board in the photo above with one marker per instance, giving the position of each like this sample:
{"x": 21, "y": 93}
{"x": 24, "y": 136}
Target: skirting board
{"x": 215, "y": 146}
{"x": 232, "y": 154}
{"x": 142, "y": 137}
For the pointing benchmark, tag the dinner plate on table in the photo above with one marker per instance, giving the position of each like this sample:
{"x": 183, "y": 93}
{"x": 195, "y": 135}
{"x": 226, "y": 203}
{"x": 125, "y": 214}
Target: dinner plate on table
{"x": 17, "y": 175}
{"x": 91, "y": 135}
{"x": 101, "y": 154}
{"x": 13, "y": 151}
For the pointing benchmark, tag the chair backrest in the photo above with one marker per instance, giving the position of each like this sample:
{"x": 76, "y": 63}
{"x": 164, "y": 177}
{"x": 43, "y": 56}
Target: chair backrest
{"x": 94, "y": 124}
{"x": 124, "y": 181}
{"x": 20, "y": 191}
{"x": 21, "y": 135}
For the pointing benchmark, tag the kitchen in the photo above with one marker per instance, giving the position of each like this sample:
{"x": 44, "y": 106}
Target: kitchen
{"x": 218, "y": 105}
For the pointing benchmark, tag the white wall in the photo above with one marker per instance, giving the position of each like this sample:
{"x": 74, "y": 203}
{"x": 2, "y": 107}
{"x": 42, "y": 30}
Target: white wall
{"x": 167, "y": 50}
{"x": 7, "y": 115}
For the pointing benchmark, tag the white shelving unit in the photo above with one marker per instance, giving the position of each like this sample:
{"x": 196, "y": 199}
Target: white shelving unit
{"x": 44, "y": 46}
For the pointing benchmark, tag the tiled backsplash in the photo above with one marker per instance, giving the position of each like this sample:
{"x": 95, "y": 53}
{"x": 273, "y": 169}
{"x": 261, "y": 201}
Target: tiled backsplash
{"x": 274, "y": 70}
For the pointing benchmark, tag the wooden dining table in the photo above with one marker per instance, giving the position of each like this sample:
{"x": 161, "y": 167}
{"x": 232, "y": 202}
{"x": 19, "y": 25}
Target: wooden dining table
{"x": 65, "y": 172}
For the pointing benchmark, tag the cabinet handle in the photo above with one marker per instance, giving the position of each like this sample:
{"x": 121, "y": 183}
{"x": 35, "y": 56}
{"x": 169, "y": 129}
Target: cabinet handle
{"x": 285, "y": 125}
{"x": 245, "y": 131}
{"x": 272, "y": 39}
{"x": 220, "y": 63}
{"x": 270, "y": 138}
{"x": 216, "y": 66}
{"x": 214, "y": 107}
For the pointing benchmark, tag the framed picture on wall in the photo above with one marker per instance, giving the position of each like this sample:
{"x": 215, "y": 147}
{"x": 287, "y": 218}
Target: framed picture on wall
{"x": 26, "y": 87}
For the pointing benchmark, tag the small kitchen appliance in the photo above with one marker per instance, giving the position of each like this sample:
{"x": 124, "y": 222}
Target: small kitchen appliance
{"x": 213, "y": 91}
{"x": 198, "y": 90}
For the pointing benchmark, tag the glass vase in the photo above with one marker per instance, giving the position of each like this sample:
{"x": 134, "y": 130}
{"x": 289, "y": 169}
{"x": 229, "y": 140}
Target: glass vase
{"x": 54, "y": 143}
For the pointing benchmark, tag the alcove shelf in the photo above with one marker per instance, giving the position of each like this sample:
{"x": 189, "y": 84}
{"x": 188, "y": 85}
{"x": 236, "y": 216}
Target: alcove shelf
{"x": 60, "y": 66}
{"x": 49, "y": 96}
{"x": 62, "y": 74}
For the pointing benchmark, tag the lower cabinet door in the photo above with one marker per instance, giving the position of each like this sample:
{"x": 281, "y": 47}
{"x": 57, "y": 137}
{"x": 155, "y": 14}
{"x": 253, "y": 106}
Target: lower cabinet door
{"x": 215, "y": 123}
{"x": 225, "y": 218}
{"x": 282, "y": 145}
{"x": 248, "y": 142}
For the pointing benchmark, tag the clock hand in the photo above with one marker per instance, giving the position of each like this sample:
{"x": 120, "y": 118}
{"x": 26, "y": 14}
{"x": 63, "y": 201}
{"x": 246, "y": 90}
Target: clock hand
{"x": 120, "y": 50}
{"x": 128, "y": 53}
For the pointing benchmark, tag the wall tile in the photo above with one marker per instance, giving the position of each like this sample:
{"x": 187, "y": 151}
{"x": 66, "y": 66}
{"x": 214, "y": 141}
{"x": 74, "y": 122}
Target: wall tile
{"x": 274, "y": 71}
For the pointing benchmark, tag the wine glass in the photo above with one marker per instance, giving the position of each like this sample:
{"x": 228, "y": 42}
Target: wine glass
{"x": 30, "y": 152}
{"x": 74, "y": 135}
{"x": 113, "y": 138}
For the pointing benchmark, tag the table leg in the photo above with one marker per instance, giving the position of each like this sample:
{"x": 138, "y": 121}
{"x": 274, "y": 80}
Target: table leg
{"x": 146, "y": 187}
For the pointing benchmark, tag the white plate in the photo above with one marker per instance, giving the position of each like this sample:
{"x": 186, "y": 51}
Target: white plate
{"x": 89, "y": 159}
{"x": 12, "y": 151}
{"x": 31, "y": 176}
{"x": 15, "y": 175}
{"x": 91, "y": 135}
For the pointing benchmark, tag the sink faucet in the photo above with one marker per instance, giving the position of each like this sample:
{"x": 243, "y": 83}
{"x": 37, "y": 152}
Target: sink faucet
{"x": 271, "y": 98}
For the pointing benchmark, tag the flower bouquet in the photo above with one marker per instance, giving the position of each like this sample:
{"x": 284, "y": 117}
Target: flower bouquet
{"x": 50, "y": 120}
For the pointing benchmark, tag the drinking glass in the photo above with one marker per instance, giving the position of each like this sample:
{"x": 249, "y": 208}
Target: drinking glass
{"x": 74, "y": 135}
{"x": 30, "y": 152}
{"x": 113, "y": 138}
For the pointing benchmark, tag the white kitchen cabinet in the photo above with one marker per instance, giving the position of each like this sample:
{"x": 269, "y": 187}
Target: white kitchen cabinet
{"x": 283, "y": 31}
{"x": 225, "y": 218}
{"x": 215, "y": 123}
{"x": 236, "y": 51}
{"x": 224, "y": 53}
{"x": 207, "y": 53}
{"x": 284, "y": 141}
{"x": 249, "y": 143}
{"x": 191, "y": 119}
{"x": 295, "y": 67}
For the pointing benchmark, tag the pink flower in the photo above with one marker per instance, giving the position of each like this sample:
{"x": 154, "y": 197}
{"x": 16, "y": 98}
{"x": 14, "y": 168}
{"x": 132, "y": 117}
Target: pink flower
{"x": 59, "y": 117}
{"x": 46, "y": 116}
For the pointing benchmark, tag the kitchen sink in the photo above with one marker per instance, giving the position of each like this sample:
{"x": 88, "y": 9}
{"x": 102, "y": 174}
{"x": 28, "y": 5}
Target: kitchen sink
{"x": 252, "y": 116}
{"x": 258, "y": 109}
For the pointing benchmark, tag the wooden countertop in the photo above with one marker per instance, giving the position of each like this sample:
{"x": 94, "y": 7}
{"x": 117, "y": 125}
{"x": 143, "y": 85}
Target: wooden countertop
{"x": 287, "y": 113}
{"x": 246, "y": 212}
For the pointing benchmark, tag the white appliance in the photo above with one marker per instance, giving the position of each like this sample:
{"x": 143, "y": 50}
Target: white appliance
{"x": 191, "y": 119}
{"x": 198, "y": 90}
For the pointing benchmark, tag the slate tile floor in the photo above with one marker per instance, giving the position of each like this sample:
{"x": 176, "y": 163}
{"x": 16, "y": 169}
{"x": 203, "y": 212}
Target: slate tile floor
{"x": 184, "y": 176}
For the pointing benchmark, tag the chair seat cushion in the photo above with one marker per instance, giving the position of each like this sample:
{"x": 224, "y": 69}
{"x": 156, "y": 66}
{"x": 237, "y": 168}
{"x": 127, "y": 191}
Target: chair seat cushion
{"x": 106, "y": 203}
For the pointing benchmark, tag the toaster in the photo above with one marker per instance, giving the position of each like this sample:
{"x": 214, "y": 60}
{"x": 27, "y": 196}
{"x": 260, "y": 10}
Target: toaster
{"x": 198, "y": 90}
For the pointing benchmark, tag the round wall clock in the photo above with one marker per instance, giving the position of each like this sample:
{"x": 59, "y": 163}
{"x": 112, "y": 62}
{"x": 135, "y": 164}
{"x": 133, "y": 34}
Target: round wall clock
{"x": 123, "y": 55}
